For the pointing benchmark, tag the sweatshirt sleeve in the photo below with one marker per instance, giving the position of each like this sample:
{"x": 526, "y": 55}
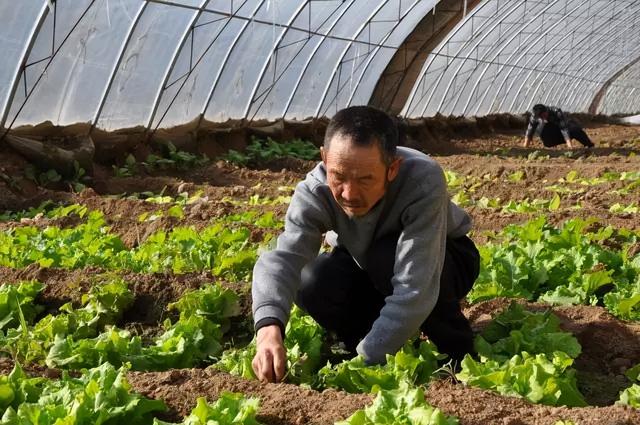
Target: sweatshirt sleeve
{"x": 531, "y": 127}
{"x": 416, "y": 281}
{"x": 562, "y": 123}
{"x": 276, "y": 275}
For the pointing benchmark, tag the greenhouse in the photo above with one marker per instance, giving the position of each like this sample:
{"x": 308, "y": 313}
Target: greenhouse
{"x": 320, "y": 212}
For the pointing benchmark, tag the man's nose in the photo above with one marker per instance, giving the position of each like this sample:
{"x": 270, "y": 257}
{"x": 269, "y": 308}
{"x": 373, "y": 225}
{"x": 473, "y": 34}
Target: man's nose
{"x": 349, "y": 192}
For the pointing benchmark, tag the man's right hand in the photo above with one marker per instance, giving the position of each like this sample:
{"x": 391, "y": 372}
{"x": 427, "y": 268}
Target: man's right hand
{"x": 270, "y": 361}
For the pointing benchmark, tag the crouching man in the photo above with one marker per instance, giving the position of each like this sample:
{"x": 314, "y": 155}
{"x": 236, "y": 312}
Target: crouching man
{"x": 401, "y": 260}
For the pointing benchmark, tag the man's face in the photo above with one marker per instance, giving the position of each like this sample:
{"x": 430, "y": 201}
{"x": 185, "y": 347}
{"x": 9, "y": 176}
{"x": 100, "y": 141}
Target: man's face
{"x": 357, "y": 175}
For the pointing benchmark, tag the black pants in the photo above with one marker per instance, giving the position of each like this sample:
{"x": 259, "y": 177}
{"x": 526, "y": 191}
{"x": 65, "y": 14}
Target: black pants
{"x": 346, "y": 299}
{"x": 552, "y": 136}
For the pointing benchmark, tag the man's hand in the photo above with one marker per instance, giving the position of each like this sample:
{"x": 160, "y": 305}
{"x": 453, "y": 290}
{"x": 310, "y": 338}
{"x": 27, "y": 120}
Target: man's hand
{"x": 271, "y": 356}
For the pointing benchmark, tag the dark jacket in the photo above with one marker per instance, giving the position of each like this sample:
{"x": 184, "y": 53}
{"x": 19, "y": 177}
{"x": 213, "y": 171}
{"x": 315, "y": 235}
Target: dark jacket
{"x": 556, "y": 116}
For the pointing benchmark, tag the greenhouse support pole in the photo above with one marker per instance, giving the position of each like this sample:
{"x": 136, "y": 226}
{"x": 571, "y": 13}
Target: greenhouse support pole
{"x": 377, "y": 48}
{"x": 223, "y": 65}
{"x": 23, "y": 62}
{"x": 174, "y": 60}
{"x": 595, "y": 102}
{"x": 612, "y": 32}
{"x": 114, "y": 70}
{"x": 310, "y": 58}
{"x": 477, "y": 43}
{"x": 265, "y": 65}
{"x": 49, "y": 60}
{"x": 517, "y": 52}
{"x": 336, "y": 68}
{"x": 552, "y": 54}
{"x": 521, "y": 69}
{"x": 408, "y": 108}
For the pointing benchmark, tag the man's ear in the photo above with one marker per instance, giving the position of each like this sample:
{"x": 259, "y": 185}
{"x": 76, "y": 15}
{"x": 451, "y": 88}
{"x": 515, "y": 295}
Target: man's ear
{"x": 394, "y": 169}
{"x": 323, "y": 155}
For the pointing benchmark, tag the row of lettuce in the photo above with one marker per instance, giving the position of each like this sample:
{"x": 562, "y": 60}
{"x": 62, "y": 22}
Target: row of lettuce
{"x": 567, "y": 193}
{"x": 87, "y": 338}
{"x": 521, "y": 353}
{"x": 581, "y": 262}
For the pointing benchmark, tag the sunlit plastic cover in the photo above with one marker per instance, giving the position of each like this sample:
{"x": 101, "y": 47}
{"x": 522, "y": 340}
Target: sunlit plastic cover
{"x": 160, "y": 63}
{"x": 506, "y": 56}
{"x": 126, "y": 63}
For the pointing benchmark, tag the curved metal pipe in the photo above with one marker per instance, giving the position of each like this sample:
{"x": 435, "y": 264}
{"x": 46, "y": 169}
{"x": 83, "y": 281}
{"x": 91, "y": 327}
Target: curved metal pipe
{"x": 226, "y": 60}
{"x": 44, "y": 11}
{"x": 520, "y": 52}
{"x": 344, "y": 52}
{"x": 114, "y": 70}
{"x": 174, "y": 60}
{"x": 265, "y": 65}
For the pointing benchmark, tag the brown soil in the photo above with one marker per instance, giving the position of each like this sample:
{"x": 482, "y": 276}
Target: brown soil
{"x": 610, "y": 346}
{"x": 279, "y": 403}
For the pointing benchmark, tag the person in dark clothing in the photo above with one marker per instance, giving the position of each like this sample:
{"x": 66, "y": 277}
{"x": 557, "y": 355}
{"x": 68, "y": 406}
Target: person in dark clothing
{"x": 554, "y": 129}
{"x": 401, "y": 259}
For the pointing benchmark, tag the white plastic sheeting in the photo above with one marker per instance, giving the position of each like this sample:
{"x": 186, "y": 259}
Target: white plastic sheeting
{"x": 508, "y": 55}
{"x": 623, "y": 95}
{"x": 159, "y": 63}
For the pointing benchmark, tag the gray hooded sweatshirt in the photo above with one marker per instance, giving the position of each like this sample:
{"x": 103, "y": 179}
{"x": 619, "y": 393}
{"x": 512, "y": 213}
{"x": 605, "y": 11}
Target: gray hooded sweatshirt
{"x": 416, "y": 206}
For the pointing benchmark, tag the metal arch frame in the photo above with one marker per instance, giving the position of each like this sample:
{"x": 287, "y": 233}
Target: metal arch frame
{"x": 223, "y": 65}
{"x": 612, "y": 35}
{"x": 42, "y": 16}
{"x": 311, "y": 56}
{"x": 344, "y": 52}
{"x": 631, "y": 92}
{"x": 517, "y": 52}
{"x": 268, "y": 90}
{"x": 553, "y": 52}
{"x": 573, "y": 97}
{"x": 619, "y": 63}
{"x": 506, "y": 78}
{"x": 632, "y": 99}
{"x": 371, "y": 55}
{"x": 189, "y": 29}
{"x": 53, "y": 55}
{"x": 611, "y": 70}
{"x": 472, "y": 41}
{"x": 116, "y": 66}
{"x": 406, "y": 109}
{"x": 540, "y": 78}
{"x": 618, "y": 75}
{"x": 266, "y": 63}
{"x": 633, "y": 74}
{"x": 396, "y": 81}
{"x": 377, "y": 49}
{"x": 629, "y": 103}
{"x": 514, "y": 27}
{"x": 197, "y": 63}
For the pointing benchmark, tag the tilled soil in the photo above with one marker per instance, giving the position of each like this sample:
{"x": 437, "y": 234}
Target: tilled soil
{"x": 610, "y": 346}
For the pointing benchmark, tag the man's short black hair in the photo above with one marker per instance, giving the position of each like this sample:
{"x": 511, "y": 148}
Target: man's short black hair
{"x": 365, "y": 125}
{"x": 538, "y": 109}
